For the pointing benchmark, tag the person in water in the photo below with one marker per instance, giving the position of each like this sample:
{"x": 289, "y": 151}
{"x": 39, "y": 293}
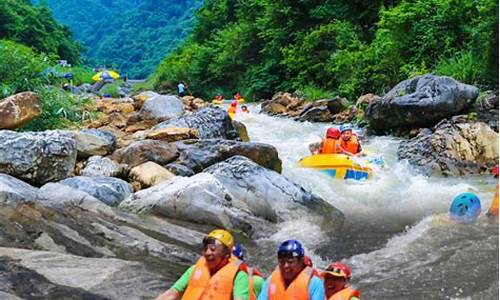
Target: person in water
{"x": 244, "y": 109}
{"x": 493, "y": 211}
{"x": 232, "y": 109}
{"x": 237, "y": 96}
{"x": 219, "y": 97}
{"x": 348, "y": 143}
{"x": 336, "y": 278}
{"x": 215, "y": 275}
{"x": 255, "y": 280}
{"x": 292, "y": 279}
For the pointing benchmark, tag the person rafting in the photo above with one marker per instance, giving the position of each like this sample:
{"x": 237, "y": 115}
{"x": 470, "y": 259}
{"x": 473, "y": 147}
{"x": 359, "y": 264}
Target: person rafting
{"x": 493, "y": 210}
{"x": 255, "y": 280}
{"x": 244, "y": 109}
{"x": 215, "y": 275}
{"x": 329, "y": 144}
{"x": 348, "y": 143}
{"x": 292, "y": 279}
{"x": 336, "y": 277}
{"x": 237, "y": 96}
{"x": 232, "y": 109}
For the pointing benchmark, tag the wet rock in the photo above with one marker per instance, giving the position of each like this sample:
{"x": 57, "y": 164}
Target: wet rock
{"x": 211, "y": 123}
{"x": 149, "y": 174}
{"x": 273, "y": 108}
{"x": 140, "y": 152}
{"x": 270, "y": 195}
{"x": 420, "y": 102}
{"x": 94, "y": 142}
{"x": 453, "y": 147}
{"x": 199, "y": 154}
{"x": 109, "y": 190}
{"x": 162, "y": 106}
{"x": 315, "y": 114}
{"x": 37, "y": 157}
{"x": 98, "y": 166}
{"x": 19, "y": 109}
{"x": 172, "y": 134}
{"x": 13, "y": 190}
{"x": 242, "y": 131}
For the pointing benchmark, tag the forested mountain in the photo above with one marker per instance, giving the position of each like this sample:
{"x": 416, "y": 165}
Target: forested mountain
{"x": 130, "y": 35}
{"x": 343, "y": 47}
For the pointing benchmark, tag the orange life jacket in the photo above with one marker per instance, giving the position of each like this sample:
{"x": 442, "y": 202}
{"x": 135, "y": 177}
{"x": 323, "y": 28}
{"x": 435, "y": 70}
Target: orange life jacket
{"x": 297, "y": 290}
{"x": 203, "y": 286}
{"x": 493, "y": 211}
{"x": 351, "y": 146}
{"x": 330, "y": 146}
{"x": 231, "y": 109}
{"x": 346, "y": 294}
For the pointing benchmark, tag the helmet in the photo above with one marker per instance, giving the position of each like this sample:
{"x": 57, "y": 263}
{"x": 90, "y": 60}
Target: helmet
{"x": 291, "y": 247}
{"x": 308, "y": 261}
{"x": 333, "y": 133}
{"x": 222, "y": 236}
{"x": 465, "y": 208}
{"x": 238, "y": 252}
{"x": 494, "y": 171}
{"x": 345, "y": 127}
{"x": 234, "y": 103}
{"x": 338, "y": 269}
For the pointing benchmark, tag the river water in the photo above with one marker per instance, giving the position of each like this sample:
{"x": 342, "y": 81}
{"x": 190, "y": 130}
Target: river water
{"x": 397, "y": 235}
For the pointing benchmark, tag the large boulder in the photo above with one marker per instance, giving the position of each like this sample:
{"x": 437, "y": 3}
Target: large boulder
{"x": 149, "y": 174}
{"x": 270, "y": 195}
{"x": 486, "y": 107}
{"x": 109, "y": 190}
{"x": 37, "y": 157}
{"x": 455, "y": 147}
{"x": 55, "y": 194}
{"x": 140, "y": 152}
{"x": 420, "y": 102}
{"x": 98, "y": 166}
{"x": 172, "y": 134}
{"x": 94, "y": 142}
{"x": 19, "y": 109}
{"x": 211, "y": 123}
{"x": 13, "y": 190}
{"x": 199, "y": 154}
{"x": 162, "y": 106}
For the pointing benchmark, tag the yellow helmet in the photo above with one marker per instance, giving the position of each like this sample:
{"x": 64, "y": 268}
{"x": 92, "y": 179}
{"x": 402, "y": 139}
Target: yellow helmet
{"x": 222, "y": 236}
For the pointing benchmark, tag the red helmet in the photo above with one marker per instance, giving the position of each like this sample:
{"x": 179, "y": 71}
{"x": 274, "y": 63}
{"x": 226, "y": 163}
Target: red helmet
{"x": 333, "y": 133}
{"x": 339, "y": 269}
{"x": 234, "y": 103}
{"x": 494, "y": 171}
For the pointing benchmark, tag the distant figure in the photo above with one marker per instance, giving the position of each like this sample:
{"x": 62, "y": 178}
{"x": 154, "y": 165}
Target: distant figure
{"x": 232, "y": 109}
{"x": 244, "y": 109}
{"x": 181, "y": 88}
{"x": 493, "y": 211}
{"x": 237, "y": 96}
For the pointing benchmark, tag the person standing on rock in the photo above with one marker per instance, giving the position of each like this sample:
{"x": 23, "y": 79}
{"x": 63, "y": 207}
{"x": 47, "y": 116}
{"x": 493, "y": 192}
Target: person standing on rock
{"x": 292, "y": 279}
{"x": 181, "y": 88}
{"x": 336, "y": 277}
{"x": 215, "y": 275}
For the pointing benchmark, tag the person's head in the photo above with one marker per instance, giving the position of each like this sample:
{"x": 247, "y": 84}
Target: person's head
{"x": 494, "y": 171}
{"x": 290, "y": 259}
{"x": 217, "y": 246}
{"x": 218, "y": 97}
{"x": 234, "y": 103}
{"x": 333, "y": 133}
{"x": 238, "y": 252}
{"x": 244, "y": 108}
{"x": 346, "y": 132}
{"x": 336, "y": 276}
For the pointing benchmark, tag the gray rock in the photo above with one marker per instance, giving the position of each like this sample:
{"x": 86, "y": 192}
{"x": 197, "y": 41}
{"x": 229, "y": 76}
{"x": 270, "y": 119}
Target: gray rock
{"x": 60, "y": 195}
{"x": 315, "y": 114}
{"x": 211, "y": 123}
{"x": 97, "y": 166}
{"x": 109, "y": 190}
{"x": 13, "y": 190}
{"x": 162, "y": 106}
{"x": 94, "y": 142}
{"x": 199, "y": 154}
{"x": 139, "y": 152}
{"x": 179, "y": 170}
{"x": 487, "y": 109}
{"x": 420, "y": 102}
{"x": 37, "y": 157}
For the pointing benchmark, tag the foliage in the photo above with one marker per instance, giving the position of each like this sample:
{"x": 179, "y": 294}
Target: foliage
{"x": 350, "y": 48}
{"x": 312, "y": 93}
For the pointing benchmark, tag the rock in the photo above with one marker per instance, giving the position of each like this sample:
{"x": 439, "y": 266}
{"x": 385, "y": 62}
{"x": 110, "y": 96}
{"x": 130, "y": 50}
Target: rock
{"x": 273, "y": 108}
{"x": 200, "y": 154}
{"x": 365, "y": 100}
{"x": 94, "y": 142}
{"x": 98, "y": 166}
{"x": 315, "y": 114}
{"x": 122, "y": 106}
{"x": 109, "y": 190}
{"x": 242, "y": 131}
{"x": 486, "y": 108}
{"x": 455, "y": 147}
{"x": 37, "y": 157}
{"x": 421, "y": 101}
{"x": 143, "y": 96}
{"x": 270, "y": 195}
{"x": 149, "y": 174}
{"x": 179, "y": 170}
{"x": 199, "y": 199}
{"x": 172, "y": 134}
{"x": 148, "y": 150}
{"x": 162, "y": 106}
{"x": 13, "y": 190}
{"x": 140, "y": 125}
{"x": 211, "y": 123}
{"x": 60, "y": 195}
{"x": 19, "y": 109}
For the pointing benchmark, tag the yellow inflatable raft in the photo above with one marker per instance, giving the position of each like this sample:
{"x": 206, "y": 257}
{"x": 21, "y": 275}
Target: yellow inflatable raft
{"x": 338, "y": 166}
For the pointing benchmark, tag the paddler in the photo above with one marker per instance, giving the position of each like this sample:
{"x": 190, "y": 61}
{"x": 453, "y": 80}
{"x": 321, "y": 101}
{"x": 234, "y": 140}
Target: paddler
{"x": 336, "y": 279}
{"x": 493, "y": 211}
{"x": 232, "y": 109}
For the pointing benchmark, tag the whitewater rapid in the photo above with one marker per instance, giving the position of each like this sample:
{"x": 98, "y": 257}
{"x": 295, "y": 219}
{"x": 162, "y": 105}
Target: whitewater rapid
{"x": 397, "y": 235}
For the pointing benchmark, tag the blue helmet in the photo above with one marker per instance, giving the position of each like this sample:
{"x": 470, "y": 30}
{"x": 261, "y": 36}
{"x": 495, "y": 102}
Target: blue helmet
{"x": 345, "y": 127}
{"x": 238, "y": 252}
{"x": 291, "y": 247}
{"x": 465, "y": 208}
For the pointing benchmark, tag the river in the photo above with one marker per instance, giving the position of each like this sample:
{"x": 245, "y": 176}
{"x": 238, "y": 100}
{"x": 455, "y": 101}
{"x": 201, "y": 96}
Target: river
{"x": 397, "y": 235}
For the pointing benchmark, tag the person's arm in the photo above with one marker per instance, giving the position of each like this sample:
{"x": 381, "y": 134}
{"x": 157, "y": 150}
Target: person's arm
{"x": 316, "y": 289}
{"x": 240, "y": 287}
{"x": 175, "y": 292}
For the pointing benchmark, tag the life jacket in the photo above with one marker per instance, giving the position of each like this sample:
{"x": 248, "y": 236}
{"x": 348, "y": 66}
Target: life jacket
{"x": 203, "y": 286}
{"x": 251, "y": 288}
{"x": 351, "y": 146}
{"x": 330, "y": 146}
{"x": 297, "y": 290}
{"x": 345, "y": 294}
{"x": 493, "y": 211}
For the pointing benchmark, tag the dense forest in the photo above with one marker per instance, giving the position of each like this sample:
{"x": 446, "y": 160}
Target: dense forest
{"x": 333, "y": 47}
{"x": 132, "y": 36}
